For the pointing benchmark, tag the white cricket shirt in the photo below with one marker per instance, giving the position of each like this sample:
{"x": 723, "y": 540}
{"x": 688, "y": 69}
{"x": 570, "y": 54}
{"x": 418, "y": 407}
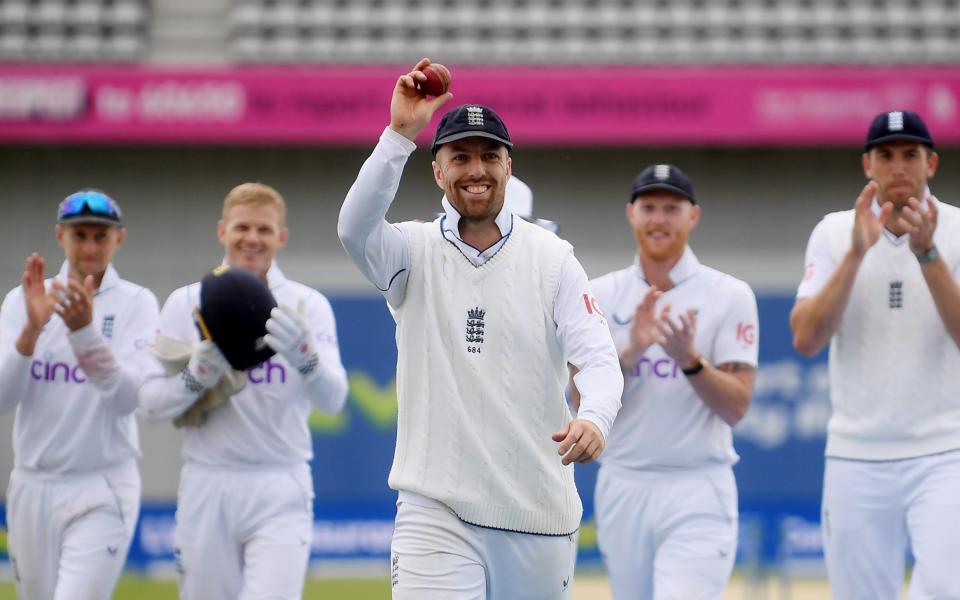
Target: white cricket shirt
{"x": 265, "y": 424}
{"x": 663, "y": 424}
{"x": 67, "y": 423}
{"x": 894, "y": 369}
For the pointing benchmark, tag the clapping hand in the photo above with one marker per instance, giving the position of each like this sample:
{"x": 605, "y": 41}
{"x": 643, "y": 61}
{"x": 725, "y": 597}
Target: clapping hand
{"x": 920, "y": 224}
{"x": 866, "y": 225}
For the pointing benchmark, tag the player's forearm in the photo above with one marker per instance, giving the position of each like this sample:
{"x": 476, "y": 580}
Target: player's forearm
{"x": 726, "y": 390}
{"x": 327, "y": 388}
{"x": 117, "y": 386}
{"x": 27, "y": 340}
{"x": 14, "y": 375}
{"x": 814, "y": 320}
{"x": 165, "y": 397}
{"x": 371, "y": 242}
{"x": 600, "y": 388}
{"x": 595, "y": 375}
{"x": 573, "y": 395}
{"x": 946, "y": 295}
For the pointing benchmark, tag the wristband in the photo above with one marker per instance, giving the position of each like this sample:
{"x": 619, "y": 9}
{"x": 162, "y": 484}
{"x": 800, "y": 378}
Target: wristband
{"x": 929, "y": 256}
{"x": 697, "y": 366}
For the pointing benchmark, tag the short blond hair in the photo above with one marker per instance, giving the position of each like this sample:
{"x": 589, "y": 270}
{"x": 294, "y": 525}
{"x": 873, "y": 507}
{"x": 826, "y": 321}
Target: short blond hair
{"x": 255, "y": 194}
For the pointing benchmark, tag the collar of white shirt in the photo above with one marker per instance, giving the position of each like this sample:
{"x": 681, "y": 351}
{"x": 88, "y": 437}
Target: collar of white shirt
{"x": 275, "y": 277}
{"x": 875, "y": 209}
{"x": 450, "y": 225}
{"x": 110, "y": 277}
{"x": 686, "y": 267}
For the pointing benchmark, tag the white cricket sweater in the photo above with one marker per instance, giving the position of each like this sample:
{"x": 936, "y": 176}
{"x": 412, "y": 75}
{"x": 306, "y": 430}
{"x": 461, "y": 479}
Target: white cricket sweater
{"x": 894, "y": 369}
{"x": 480, "y": 383}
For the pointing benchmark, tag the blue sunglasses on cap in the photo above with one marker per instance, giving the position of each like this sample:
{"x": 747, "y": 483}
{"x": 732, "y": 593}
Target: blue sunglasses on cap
{"x": 89, "y": 206}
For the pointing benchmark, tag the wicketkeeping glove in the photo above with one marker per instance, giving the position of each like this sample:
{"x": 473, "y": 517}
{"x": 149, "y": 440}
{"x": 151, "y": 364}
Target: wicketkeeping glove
{"x": 289, "y": 335}
{"x": 207, "y": 365}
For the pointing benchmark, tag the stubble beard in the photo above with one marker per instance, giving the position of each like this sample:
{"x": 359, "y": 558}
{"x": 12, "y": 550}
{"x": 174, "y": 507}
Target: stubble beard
{"x": 663, "y": 252}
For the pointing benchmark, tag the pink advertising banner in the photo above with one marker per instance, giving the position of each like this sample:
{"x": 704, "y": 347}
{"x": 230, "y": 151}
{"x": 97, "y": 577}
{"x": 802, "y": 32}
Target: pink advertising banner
{"x": 569, "y": 106}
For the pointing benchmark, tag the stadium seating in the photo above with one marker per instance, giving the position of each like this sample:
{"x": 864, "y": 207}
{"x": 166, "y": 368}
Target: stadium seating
{"x": 74, "y": 30}
{"x": 597, "y": 31}
{"x": 493, "y": 31}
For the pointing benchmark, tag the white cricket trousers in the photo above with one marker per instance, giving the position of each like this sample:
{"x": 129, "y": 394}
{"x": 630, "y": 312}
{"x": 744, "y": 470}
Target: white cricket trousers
{"x": 243, "y": 534}
{"x": 69, "y": 534}
{"x": 436, "y": 556}
{"x": 871, "y": 509}
{"x": 667, "y": 535}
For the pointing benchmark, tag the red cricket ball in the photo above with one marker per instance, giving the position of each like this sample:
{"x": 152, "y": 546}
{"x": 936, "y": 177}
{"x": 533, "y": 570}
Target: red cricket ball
{"x": 438, "y": 80}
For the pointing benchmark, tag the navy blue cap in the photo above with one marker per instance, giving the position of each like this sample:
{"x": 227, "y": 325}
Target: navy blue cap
{"x": 663, "y": 177}
{"x": 234, "y": 307}
{"x": 897, "y": 125}
{"x": 471, "y": 120}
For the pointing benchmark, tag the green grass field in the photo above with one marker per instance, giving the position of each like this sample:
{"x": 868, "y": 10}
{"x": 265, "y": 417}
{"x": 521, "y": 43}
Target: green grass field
{"x": 592, "y": 586}
{"x": 138, "y": 588}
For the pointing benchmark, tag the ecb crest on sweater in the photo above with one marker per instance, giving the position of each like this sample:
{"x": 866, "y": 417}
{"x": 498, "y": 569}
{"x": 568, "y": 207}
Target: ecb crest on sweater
{"x": 475, "y": 326}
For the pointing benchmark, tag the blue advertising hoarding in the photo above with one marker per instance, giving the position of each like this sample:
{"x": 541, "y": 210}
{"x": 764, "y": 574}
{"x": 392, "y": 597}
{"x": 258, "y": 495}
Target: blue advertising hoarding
{"x": 780, "y": 442}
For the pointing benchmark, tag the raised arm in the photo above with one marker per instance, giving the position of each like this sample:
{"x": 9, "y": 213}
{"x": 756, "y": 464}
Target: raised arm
{"x": 117, "y": 369}
{"x": 816, "y": 318}
{"x": 379, "y": 249}
{"x": 23, "y": 315}
{"x": 921, "y": 223}
{"x": 726, "y": 388}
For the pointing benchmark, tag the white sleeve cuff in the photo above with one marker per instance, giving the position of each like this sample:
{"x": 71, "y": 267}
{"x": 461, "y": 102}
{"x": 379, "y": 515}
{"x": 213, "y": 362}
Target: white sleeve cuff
{"x": 597, "y": 420}
{"x": 85, "y": 338}
{"x": 397, "y": 140}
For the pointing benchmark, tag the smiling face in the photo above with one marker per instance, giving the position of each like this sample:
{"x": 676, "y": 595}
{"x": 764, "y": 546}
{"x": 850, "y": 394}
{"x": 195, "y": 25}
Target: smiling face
{"x": 89, "y": 247}
{"x": 252, "y": 234}
{"x": 901, "y": 170}
{"x": 661, "y": 223}
{"x": 473, "y": 173}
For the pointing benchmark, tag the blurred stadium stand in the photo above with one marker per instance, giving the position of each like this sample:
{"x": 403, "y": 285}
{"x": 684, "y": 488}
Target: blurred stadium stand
{"x": 596, "y": 31}
{"x": 74, "y": 30}
{"x": 483, "y": 31}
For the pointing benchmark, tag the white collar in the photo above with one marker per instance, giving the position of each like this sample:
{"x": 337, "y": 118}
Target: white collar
{"x": 110, "y": 277}
{"x": 875, "y": 205}
{"x": 504, "y": 220}
{"x": 897, "y": 239}
{"x": 686, "y": 267}
{"x": 275, "y": 277}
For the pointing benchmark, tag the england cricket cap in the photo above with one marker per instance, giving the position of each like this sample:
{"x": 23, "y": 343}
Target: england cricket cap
{"x": 234, "y": 307}
{"x": 897, "y": 125}
{"x": 89, "y": 206}
{"x": 663, "y": 177}
{"x": 470, "y": 120}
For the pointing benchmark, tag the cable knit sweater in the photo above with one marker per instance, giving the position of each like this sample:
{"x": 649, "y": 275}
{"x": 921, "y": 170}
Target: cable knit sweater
{"x": 480, "y": 382}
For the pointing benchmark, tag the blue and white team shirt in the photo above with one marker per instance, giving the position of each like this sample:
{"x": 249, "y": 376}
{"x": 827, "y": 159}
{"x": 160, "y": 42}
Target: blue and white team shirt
{"x": 65, "y": 422}
{"x": 265, "y": 424}
{"x": 663, "y": 424}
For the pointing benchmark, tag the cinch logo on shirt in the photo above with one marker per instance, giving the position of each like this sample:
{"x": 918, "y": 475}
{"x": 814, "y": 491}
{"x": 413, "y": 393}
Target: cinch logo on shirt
{"x": 267, "y": 372}
{"x": 662, "y": 368}
{"x": 48, "y": 370}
